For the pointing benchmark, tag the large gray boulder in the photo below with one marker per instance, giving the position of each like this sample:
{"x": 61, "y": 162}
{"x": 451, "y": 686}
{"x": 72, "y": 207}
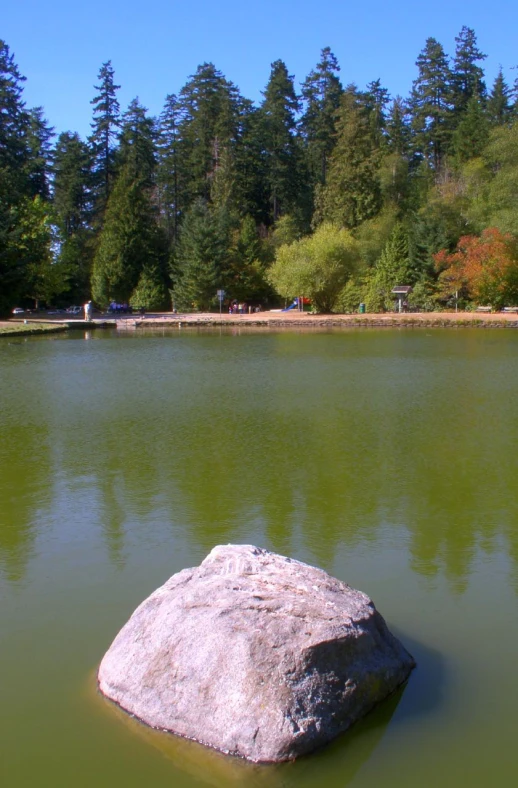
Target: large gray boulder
{"x": 254, "y": 654}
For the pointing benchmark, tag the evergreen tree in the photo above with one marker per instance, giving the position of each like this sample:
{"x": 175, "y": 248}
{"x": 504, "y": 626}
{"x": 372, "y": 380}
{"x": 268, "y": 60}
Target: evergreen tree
{"x": 209, "y": 108}
{"x": 130, "y": 239}
{"x": 105, "y": 125}
{"x": 150, "y": 292}
{"x": 425, "y": 237}
{"x": 394, "y": 173}
{"x": 321, "y": 93}
{"x": 245, "y": 278}
{"x": 137, "y": 144}
{"x": 71, "y": 181}
{"x": 39, "y": 142}
{"x": 14, "y": 180}
{"x": 514, "y": 96}
{"x": 376, "y": 98}
{"x": 200, "y": 259}
{"x": 14, "y": 150}
{"x": 391, "y": 270}
{"x": 283, "y": 154}
{"x": 250, "y": 167}
{"x": 398, "y": 131}
{"x": 352, "y": 193}
{"x": 472, "y": 133}
{"x": 72, "y": 211}
{"x": 467, "y": 77}
{"x": 430, "y": 105}
{"x": 498, "y": 106}
{"x": 170, "y": 175}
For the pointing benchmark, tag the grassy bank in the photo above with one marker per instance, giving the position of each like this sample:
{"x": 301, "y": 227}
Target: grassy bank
{"x": 12, "y": 329}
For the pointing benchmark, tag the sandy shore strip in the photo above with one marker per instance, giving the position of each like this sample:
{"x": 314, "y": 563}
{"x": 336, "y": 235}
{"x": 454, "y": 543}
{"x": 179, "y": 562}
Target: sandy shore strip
{"x": 307, "y": 320}
{"x": 273, "y": 319}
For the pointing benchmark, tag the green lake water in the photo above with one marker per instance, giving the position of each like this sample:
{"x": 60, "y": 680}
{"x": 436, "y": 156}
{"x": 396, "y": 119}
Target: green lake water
{"x": 388, "y": 458}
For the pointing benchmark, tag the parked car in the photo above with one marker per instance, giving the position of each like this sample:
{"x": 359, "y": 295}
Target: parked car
{"x": 74, "y": 310}
{"x": 17, "y": 311}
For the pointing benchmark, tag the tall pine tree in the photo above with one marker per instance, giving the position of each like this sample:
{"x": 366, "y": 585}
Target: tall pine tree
{"x": 321, "y": 93}
{"x": 430, "y": 105}
{"x": 498, "y": 105}
{"x": 467, "y": 77}
{"x": 353, "y": 191}
{"x": 283, "y": 154}
{"x": 200, "y": 259}
{"x": 72, "y": 204}
{"x": 105, "y": 126}
{"x": 170, "y": 175}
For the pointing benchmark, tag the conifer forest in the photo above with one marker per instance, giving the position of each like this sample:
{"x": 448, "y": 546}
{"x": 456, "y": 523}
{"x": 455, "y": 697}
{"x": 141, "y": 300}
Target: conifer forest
{"x": 324, "y": 189}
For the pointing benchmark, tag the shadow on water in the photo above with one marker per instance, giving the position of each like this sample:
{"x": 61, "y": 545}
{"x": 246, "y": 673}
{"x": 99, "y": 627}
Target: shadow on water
{"x": 343, "y": 757}
{"x": 426, "y": 688}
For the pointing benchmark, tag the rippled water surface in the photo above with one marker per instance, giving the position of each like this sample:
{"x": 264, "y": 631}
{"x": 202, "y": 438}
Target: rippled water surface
{"x": 389, "y": 458}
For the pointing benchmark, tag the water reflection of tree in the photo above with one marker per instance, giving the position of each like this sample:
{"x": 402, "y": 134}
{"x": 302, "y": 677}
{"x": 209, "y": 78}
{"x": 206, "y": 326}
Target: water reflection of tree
{"x": 24, "y": 484}
{"x": 334, "y": 446}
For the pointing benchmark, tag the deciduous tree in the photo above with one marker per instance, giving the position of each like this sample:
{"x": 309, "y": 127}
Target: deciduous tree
{"x": 485, "y": 267}
{"x": 317, "y": 267}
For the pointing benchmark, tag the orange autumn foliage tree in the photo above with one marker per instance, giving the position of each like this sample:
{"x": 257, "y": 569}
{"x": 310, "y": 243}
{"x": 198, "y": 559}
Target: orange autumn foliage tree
{"x": 484, "y": 269}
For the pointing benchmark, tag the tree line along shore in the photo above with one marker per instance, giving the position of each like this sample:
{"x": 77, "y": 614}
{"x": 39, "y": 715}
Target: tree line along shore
{"x": 325, "y": 190}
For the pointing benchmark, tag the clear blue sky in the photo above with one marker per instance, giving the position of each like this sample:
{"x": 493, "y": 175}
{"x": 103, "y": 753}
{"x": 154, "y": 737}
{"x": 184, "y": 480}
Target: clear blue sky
{"x": 154, "y": 47}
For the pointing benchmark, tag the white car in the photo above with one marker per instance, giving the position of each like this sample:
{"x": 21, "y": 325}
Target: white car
{"x": 17, "y": 311}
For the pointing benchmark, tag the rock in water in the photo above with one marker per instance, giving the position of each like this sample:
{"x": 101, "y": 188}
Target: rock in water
{"x": 254, "y": 654}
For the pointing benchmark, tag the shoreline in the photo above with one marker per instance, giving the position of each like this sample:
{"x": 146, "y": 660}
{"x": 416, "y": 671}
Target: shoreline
{"x": 162, "y": 320}
{"x": 10, "y": 328}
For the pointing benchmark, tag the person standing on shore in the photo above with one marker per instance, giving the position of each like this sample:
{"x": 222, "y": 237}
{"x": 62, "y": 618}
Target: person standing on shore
{"x": 88, "y": 310}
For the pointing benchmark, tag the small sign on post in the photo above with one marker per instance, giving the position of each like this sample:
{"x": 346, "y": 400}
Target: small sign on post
{"x": 221, "y": 295}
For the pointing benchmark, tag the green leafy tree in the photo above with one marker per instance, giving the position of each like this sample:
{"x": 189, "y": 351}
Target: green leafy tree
{"x": 45, "y": 279}
{"x": 317, "y": 267}
{"x": 321, "y": 93}
{"x": 500, "y": 196}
